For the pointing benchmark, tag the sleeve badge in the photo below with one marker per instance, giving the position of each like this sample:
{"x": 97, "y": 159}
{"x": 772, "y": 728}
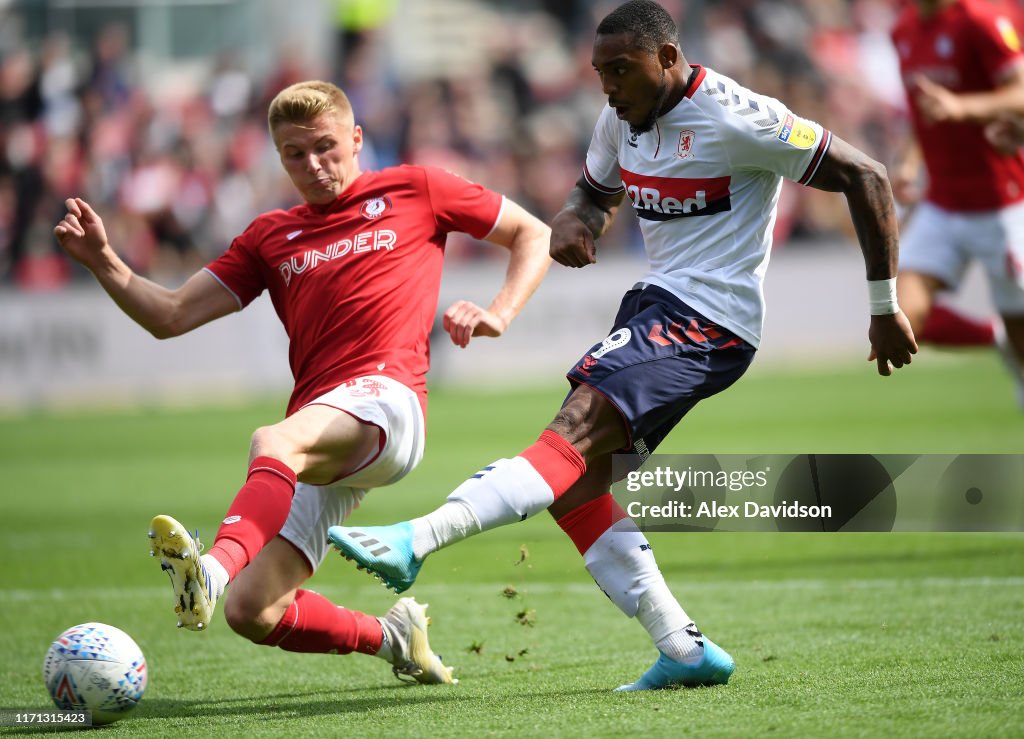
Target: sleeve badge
{"x": 796, "y": 133}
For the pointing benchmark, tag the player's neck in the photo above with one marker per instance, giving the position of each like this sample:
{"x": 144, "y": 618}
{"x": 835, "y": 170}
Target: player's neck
{"x": 356, "y": 174}
{"x": 682, "y": 75}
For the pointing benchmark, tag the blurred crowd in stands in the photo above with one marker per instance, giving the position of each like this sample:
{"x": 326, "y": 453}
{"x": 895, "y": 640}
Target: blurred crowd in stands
{"x": 176, "y": 173}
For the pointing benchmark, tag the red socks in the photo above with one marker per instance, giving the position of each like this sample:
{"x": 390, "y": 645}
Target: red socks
{"x": 556, "y": 460}
{"x": 256, "y": 515}
{"x": 314, "y": 624}
{"x": 949, "y": 328}
{"x": 585, "y": 524}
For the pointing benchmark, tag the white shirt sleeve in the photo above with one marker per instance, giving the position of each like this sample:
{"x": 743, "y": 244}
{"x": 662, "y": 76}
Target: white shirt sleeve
{"x": 789, "y": 146}
{"x": 602, "y": 166}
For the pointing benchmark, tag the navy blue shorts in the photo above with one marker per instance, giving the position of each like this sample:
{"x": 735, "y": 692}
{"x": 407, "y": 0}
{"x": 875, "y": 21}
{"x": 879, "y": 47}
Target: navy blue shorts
{"x": 661, "y": 358}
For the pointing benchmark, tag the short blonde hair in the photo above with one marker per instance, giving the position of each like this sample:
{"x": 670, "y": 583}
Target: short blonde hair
{"x": 304, "y": 101}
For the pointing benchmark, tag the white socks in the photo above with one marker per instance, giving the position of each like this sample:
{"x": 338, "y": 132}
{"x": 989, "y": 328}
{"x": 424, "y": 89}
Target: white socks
{"x": 504, "y": 492}
{"x": 217, "y": 574}
{"x": 623, "y": 565}
{"x": 621, "y": 562}
{"x": 450, "y": 523}
{"x": 385, "y": 652}
{"x": 671, "y": 629}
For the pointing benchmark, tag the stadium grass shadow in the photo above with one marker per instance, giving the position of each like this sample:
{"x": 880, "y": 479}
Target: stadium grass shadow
{"x": 313, "y": 703}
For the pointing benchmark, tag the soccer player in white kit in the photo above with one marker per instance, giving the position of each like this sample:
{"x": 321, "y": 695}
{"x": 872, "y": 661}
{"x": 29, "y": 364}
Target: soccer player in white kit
{"x": 354, "y": 274}
{"x": 701, "y": 160}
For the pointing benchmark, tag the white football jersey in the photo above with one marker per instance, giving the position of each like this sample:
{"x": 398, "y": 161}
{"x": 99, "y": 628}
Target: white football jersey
{"x": 705, "y": 182}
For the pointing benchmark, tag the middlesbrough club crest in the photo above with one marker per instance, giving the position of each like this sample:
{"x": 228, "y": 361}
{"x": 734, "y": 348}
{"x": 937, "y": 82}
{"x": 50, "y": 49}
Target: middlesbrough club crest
{"x": 375, "y": 207}
{"x": 686, "y": 139}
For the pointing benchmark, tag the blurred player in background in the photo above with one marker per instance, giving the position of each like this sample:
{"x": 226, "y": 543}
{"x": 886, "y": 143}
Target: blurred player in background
{"x": 354, "y": 274}
{"x": 702, "y": 160}
{"x": 963, "y": 66}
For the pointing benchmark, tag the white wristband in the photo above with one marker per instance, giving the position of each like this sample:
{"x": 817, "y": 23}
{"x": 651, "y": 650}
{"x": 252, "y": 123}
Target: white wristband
{"x": 882, "y": 297}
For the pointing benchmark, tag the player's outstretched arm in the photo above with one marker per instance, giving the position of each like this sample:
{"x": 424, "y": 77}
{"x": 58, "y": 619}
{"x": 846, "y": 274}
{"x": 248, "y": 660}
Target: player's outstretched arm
{"x": 161, "y": 311}
{"x": 939, "y": 104}
{"x": 526, "y": 239}
{"x": 585, "y": 217}
{"x": 863, "y": 181}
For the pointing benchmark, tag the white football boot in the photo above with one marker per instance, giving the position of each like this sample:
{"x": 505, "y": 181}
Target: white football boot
{"x": 406, "y": 628}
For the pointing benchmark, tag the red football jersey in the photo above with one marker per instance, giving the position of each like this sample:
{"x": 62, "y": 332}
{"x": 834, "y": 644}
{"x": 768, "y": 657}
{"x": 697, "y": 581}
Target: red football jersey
{"x": 966, "y": 47}
{"x": 356, "y": 282}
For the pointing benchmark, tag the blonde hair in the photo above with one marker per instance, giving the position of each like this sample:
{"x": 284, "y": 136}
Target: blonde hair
{"x": 304, "y": 101}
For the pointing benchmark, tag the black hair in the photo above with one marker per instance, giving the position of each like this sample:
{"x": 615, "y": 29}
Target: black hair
{"x": 651, "y": 25}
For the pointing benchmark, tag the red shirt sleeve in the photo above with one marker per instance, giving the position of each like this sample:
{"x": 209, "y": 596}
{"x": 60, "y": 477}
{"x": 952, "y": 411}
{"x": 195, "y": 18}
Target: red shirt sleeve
{"x": 239, "y": 269}
{"x": 997, "y": 38}
{"x": 461, "y": 205}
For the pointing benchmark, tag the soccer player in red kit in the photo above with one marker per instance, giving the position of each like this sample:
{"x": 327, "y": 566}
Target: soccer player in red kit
{"x": 354, "y": 275}
{"x": 963, "y": 65}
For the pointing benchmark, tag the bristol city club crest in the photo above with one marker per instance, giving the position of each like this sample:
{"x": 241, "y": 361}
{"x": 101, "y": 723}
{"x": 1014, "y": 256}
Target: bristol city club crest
{"x": 686, "y": 139}
{"x": 375, "y": 207}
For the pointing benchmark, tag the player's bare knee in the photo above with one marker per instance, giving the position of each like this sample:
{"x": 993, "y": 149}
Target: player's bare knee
{"x": 247, "y": 614}
{"x": 590, "y": 423}
{"x": 269, "y": 441}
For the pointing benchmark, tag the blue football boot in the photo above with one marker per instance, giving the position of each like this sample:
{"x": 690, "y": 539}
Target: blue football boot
{"x": 384, "y": 551}
{"x": 714, "y": 668}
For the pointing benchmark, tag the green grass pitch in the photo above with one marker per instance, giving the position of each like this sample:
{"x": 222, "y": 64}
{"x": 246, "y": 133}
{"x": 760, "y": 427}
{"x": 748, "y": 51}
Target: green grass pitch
{"x": 834, "y": 634}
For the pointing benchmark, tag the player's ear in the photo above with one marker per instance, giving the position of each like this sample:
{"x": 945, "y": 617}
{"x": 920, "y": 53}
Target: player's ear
{"x": 668, "y": 55}
{"x": 357, "y": 139}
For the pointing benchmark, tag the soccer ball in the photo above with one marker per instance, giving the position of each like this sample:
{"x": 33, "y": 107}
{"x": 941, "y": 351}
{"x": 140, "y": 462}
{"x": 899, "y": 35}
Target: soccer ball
{"x": 98, "y": 668}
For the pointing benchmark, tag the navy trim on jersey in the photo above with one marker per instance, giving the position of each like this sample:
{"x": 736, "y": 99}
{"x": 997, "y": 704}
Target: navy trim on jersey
{"x": 598, "y": 186}
{"x": 819, "y": 157}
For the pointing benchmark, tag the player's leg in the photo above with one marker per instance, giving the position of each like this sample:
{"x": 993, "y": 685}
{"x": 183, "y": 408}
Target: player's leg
{"x": 316, "y": 445}
{"x": 587, "y": 426}
{"x": 999, "y": 247}
{"x": 267, "y": 605}
{"x": 916, "y": 294}
{"x": 590, "y": 424}
{"x": 503, "y": 492}
{"x": 932, "y": 260}
{"x": 660, "y": 361}
{"x": 936, "y": 323}
{"x": 1011, "y": 349}
{"x": 319, "y": 443}
{"x": 946, "y": 326}
{"x": 266, "y": 602}
{"x": 687, "y": 360}
{"x": 506, "y": 491}
{"x": 621, "y": 561}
